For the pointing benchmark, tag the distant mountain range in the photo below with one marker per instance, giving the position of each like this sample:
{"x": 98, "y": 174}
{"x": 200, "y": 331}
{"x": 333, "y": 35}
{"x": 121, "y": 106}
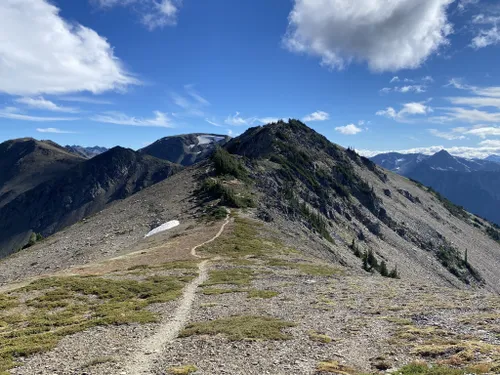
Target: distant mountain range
{"x": 471, "y": 183}
{"x": 86, "y": 152}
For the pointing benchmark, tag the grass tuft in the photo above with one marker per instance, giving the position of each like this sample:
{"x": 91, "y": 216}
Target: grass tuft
{"x": 182, "y": 370}
{"x": 241, "y": 328}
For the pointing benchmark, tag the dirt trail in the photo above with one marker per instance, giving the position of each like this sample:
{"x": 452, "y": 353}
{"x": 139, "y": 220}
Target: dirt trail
{"x": 152, "y": 346}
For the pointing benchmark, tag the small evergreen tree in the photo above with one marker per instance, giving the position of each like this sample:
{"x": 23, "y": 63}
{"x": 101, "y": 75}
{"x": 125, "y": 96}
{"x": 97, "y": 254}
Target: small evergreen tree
{"x": 394, "y": 273}
{"x": 372, "y": 261}
{"x": 366, "y": 267}
{"x": 383, "y": 269}
{"x": 466, "y": 258}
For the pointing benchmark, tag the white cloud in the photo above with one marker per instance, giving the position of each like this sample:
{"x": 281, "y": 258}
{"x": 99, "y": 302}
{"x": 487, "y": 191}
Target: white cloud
{"x": 14, "y": 113}
{"x": 490, "y": 143}
{"x": 411, "y": 88}
{"x": 489, "y": 36}
{"x": 450, "y": 136}
{"x": 269, "y": 120}
{"x": 409, "y": 109}
{"x": 428, "y": 79}
{"x": 160, "y": 120}
{"x": 317, "y": 116}
{"x": 42, "y": 53}
{"x": 41, "y": 103}
{"x": 350, "y": 129}
{"x": 153, "y": 13}
{"x": 388, "y": 35}
{"x": 394, "y": 79}
{"x": 385, "y": 90}
{"x": 484, "y": 131}
{"x": 54, "y": 130}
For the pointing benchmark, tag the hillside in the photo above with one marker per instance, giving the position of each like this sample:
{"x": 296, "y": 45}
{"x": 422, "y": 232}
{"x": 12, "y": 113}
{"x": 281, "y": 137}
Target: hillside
{"x": 293, "y": 256}
{"x": 26, "y": 163}
{"x": 185, "y": 149}
{"x": 77, "y": 193}
{"x": 472, "y": 184}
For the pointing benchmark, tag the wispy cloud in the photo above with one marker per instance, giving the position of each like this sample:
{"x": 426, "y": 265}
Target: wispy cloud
{"x": 160, "y": 119}
{"x": 409, "y": 109}
{"x": 153, "y": 13}
{"x": 44, "y": 104}
{"x": 450, "y": 136}
{"x": 54, "y": 131}
{"x": 14, "y": 113}
{"x": 238, "y": 120}
{"x": 191, "y": 101}
{"x": 317, "y": 116}
{"x": 84, "y": 99}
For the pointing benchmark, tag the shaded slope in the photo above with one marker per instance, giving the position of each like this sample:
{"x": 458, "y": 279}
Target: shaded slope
{"x": 81, "y": 191}
{"x": 26, "y": 162}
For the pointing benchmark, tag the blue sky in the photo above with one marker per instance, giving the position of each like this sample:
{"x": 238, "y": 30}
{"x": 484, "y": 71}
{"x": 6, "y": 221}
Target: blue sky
{"x": 373, "y": 74}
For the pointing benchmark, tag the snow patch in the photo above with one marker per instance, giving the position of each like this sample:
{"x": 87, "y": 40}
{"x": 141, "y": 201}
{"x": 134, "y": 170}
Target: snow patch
{"x": 206, "y": 139}
{"x": 168, "y": 225}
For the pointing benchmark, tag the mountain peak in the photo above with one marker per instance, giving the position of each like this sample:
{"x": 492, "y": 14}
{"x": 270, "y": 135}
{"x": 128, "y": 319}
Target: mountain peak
{"x": 185, "y": 149}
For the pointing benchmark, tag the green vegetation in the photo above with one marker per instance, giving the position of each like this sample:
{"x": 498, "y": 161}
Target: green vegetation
{"x": 226, "y": 164}
{"x": 424, "y": 369}
{"x": 370, "y": 264}
{"x": 314, "y": 219}
{"x": 34, "y": 238}
{"x": 452, "y": 260}
{"x": 182, "y": 370}
{"x": 244, "y": 240}
{"x": 255, "y": 293}
{"x": 335, "y": 367}
{"x": 228, "y": 196}
{"x": 216, "y": 291}
{"x": 66, "y": 305}
{"x": 232, "y": 276}
{"x": 241, "y": 328}
{"x": 315, "y": 336}
{"x": 493, "y": 233}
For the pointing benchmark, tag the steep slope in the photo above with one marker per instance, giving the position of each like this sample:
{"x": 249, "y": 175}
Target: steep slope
{"x": 353, "y": 204}
{"x": 472, "y": 184}
{"x": 85, "y": 152}
{"x": 26, "y": 162}
{"x": 185, "y": 149}
{"x": 79, "y": 192}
